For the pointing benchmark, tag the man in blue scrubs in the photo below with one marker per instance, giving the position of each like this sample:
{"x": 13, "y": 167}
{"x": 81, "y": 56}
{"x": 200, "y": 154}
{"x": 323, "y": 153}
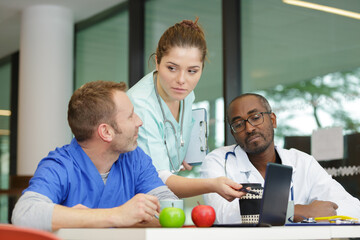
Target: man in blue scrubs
{"x": 101, "y": 179}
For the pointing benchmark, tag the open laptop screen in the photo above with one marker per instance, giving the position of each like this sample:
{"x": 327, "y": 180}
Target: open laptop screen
{"x": 276, "y": 194}
{"x": 275, "y": 197}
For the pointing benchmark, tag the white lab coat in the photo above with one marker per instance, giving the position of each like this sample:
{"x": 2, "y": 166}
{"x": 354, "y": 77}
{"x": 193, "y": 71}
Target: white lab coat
{"x": 309, "y": 181}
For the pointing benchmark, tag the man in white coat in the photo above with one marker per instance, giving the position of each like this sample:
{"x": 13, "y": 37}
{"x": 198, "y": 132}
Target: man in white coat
{"x": 252, "y": 122}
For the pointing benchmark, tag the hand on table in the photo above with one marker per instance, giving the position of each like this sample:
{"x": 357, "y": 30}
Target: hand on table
{"x": 142, "y": 209}
{"x": 139, "y": 211}
{"x": 315, "y": 209}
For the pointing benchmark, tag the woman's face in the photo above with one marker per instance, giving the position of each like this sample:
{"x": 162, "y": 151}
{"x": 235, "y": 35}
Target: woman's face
{"x": 178, "y": 73}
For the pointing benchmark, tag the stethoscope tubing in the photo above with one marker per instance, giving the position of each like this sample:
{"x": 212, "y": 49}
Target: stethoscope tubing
{"x": 226, "y": 157}
{"x": 165, "y": 120}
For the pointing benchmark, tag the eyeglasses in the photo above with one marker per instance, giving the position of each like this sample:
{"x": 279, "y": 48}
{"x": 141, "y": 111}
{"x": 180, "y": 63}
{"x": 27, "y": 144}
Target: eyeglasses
{"x": 254, "y": 119}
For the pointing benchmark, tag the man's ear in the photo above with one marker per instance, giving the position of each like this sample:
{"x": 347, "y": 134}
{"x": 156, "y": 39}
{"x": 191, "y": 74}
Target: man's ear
{"x": 273, "y": 119}
{"x": 106, "y": 132}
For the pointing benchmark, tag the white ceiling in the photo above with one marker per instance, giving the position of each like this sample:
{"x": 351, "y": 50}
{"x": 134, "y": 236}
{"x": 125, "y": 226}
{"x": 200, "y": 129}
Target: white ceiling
{"x": 10, "y": 17}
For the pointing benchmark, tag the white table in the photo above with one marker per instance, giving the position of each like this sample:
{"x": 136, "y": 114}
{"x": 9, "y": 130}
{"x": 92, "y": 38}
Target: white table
{"x": 297, "y": 232}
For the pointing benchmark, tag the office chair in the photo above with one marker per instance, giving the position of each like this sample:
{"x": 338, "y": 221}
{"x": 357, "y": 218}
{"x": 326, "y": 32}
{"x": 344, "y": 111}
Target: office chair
{"x": 10, "y": 232}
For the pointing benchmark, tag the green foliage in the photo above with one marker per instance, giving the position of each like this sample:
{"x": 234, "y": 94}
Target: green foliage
{"x": 328, "y": 93}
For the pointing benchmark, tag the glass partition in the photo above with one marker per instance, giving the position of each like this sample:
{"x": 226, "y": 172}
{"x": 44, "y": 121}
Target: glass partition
{"x": 5, "y": 90}
{"x": 305, "y": 61}
{"x": 102, "y": 51}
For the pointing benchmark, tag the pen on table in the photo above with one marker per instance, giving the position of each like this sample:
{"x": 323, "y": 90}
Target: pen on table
{"x": 249, "y": 191}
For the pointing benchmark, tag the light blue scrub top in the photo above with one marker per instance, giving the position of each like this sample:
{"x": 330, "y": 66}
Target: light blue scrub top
{"x": 152, "y": 132}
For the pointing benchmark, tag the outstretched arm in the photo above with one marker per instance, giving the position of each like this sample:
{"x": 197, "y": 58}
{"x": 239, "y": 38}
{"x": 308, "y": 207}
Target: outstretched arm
{"x": 187, "y": 187}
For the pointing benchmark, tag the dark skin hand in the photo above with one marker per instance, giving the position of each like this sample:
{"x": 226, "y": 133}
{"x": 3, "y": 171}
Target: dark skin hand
{"x": 315, "y": 209}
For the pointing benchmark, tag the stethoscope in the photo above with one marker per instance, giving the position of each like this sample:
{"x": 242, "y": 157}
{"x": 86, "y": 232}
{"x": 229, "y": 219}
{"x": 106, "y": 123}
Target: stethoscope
{"x": 227, "y": 155}
{"x": 165, "y": 120}
{"x": 233, "y": 153}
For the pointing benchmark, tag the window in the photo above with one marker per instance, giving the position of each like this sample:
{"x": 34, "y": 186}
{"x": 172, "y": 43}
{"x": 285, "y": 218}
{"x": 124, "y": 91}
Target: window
{"x": 102, "y": 50}
{"x": 5, "y": 90}
{"x": 306, "y": 62}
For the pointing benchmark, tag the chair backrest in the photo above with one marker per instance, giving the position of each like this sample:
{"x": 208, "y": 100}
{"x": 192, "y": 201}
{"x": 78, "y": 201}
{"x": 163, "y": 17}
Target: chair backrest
{"x": 10, "y": 232}
{"x": 19, "y": 182}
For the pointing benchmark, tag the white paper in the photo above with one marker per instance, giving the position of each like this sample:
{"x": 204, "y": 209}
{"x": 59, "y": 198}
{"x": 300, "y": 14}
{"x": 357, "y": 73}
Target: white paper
{"x": 327, "y": 144}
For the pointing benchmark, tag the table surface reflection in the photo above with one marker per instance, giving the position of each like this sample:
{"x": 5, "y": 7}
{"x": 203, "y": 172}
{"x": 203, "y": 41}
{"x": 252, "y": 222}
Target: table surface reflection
{"x": 187, "y": 233}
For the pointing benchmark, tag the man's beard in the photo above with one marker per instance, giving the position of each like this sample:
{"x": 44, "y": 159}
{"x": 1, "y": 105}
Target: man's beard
{"x": 256, "y": 148}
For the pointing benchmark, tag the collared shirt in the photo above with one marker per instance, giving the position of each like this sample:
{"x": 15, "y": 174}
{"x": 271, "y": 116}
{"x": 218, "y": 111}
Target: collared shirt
{"x": 153, "y": 130}
{"x": 68, "y": 177}
{"x": 309, "y": 181}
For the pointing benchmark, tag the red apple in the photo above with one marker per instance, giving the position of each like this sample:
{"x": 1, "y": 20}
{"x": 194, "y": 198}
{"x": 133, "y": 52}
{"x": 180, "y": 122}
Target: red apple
{"x": 203, "y": 215}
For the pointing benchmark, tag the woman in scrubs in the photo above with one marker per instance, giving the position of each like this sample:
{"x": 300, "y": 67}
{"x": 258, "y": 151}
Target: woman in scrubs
{"x": 163, "y": 100}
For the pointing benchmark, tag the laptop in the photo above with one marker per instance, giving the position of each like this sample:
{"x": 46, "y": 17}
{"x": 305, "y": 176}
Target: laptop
{"x": 275, "y": 198}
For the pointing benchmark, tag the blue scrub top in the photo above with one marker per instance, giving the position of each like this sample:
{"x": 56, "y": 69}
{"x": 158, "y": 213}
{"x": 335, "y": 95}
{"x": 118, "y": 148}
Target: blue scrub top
{"x": 153, "y": 130}
{"x": 68, "y": 177}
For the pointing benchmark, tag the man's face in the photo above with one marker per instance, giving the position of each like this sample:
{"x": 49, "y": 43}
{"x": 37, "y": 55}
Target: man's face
{"x": 127, "y": 124}
{"x": 253, "y": 139}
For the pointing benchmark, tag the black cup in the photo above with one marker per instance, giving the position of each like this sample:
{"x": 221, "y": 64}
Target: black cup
{"x": 250, "y": 203}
